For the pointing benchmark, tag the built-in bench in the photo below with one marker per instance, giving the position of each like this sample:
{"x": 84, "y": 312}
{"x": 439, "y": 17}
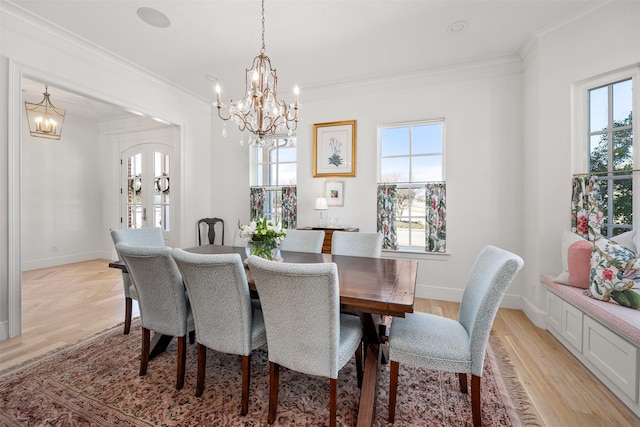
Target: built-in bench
{"x": 604, "y": 336}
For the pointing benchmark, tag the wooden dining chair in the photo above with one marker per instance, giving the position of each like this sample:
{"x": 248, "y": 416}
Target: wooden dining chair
{"x": 208, "y": 226}
{"x": 435, "y": 342}
{"x": 306, "y": 334}
{"x": 164, "y": 307}
{"x": 149, "y": 236}
{"x": 303, "y": 241}
{"x": 225, "y": 319}
{"x": 356, "y": 244}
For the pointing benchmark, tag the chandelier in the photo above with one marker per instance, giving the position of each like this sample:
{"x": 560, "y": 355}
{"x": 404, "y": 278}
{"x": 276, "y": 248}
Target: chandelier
{"x": 43, "y": 118}
{"x": 259, "y": 111}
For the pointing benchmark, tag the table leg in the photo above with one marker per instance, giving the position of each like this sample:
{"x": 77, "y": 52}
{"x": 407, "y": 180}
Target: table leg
{"x": 159, "y": 344}
{"x": 367, "y": 408}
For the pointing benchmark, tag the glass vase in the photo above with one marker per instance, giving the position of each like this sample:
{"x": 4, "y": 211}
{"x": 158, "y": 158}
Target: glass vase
{"x": 266, "y": 250}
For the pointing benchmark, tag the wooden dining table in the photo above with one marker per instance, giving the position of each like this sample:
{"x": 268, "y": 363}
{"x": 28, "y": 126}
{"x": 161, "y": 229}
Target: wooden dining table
{"x": 370, "y": 287}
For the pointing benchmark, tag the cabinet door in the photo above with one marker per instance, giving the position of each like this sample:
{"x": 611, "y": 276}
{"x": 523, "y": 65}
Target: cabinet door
{"x": 572, "y": 325}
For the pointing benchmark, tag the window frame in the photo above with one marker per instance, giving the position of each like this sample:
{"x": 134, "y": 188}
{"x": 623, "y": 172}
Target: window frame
{"x": 581, "y": 133}
{"x": 412, "y": 184}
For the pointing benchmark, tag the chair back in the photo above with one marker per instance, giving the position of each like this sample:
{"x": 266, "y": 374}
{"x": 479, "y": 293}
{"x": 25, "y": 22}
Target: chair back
{"x": 208, "y": 226}
{"x": 301, "y": 309}
{"x": 158, "y": 282}
{"x": 220, "y": 301}
{"x": 149, "y": 236}
{"x": 303, "y": 241}
{"x": 491, "y": 274}
{"x": 356, "y": 244}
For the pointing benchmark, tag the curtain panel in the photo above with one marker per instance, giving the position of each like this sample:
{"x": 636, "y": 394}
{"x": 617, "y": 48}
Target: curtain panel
{"x": 435, "y": 217}
{"x": 256, "y": 203}
{"x": 289, "y": 207}
{"x": 587, "y": 209}
{"x": 387, "y": 206}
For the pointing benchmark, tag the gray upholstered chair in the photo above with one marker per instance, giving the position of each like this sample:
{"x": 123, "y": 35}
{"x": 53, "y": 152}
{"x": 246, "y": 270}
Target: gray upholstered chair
{"x": 303, "y": 241}
{"x": 439, "y": 343}
{"x": 356, "y": 244}
{"x": 164, "y": 307}
{"x": 151, "y": 236}
{"x": 307, "y": 334}
{"x": 222, "y": 311}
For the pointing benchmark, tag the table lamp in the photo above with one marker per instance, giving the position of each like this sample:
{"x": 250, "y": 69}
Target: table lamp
{"x": 321, "y": 205}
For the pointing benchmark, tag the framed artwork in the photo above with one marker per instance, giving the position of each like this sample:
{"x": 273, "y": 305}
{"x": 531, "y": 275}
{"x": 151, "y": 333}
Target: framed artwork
{"x": 334, "y": 193}
{"x": 334, "y": 149}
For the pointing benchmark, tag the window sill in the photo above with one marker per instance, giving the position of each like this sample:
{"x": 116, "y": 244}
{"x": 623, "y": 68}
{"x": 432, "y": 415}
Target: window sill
{"x": 416, "y": 253}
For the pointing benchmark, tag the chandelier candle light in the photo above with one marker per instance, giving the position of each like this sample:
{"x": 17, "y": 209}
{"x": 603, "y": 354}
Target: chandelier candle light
{"x": 43, "y": 118}
{"x": 259, "y": 111}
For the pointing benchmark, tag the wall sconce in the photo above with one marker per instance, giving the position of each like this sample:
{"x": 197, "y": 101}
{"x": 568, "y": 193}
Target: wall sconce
{"x": 321, "y": 205}
{"x": 45, "y": 119}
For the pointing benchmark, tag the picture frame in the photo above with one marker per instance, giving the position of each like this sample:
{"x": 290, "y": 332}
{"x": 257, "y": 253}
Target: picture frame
{"x": 334, "y": 193}
{"x": 334, "y": 149}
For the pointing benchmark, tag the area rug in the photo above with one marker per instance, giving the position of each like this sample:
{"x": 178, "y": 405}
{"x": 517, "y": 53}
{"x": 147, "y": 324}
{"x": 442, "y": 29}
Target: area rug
{"x": 96, "y": 383}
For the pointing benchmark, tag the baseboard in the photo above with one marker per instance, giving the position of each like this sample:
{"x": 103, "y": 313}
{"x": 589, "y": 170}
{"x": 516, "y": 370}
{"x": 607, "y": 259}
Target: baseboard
{"x": 537, "y": 316}
{"x": 4, "y": 330}
{"x": 61, "y": 260}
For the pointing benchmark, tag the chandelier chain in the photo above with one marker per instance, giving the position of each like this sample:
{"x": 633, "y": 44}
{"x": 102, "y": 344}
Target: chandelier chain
{"x": 263, "y": 48}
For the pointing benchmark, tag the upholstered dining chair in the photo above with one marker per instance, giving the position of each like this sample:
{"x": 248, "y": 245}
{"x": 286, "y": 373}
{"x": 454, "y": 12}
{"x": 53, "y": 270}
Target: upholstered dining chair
{"x": 307, "y": 334}
{"x": 439, "y": 343}
{"x": 150, "y": 236}
{"x": 208, "y": 225}
{"x": 164, "y": 307}
{"x": 356, "y": 244}
{"x": 224, "y": 317}
{"x": 303, "y": 241}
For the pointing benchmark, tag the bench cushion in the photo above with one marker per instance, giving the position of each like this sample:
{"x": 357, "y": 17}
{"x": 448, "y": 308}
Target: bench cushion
{"x": 619, "y": 319}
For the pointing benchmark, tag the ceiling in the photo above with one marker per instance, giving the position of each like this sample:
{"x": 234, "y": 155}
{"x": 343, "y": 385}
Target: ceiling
{"x": 311, "y": 43}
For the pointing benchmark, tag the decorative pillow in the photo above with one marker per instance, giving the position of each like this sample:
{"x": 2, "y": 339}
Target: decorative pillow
{"x": 615, "y": 274}
{"x": 578, "y": 271}
{"x": 628, "y": 240}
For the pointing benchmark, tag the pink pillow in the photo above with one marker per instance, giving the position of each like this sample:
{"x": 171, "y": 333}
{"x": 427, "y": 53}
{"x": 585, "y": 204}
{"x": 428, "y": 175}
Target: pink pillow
{"x": 578, "y": 263}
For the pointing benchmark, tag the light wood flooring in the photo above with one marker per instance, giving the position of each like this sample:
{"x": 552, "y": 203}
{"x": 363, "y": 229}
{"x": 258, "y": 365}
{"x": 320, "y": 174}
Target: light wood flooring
{"x": 62, "y": 305}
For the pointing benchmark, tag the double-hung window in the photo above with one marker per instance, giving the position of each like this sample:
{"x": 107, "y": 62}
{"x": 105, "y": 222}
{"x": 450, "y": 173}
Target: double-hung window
{"x": 611, "y": 151}
{"x": 411, "y": 158}
{"x": 274, "y": 170}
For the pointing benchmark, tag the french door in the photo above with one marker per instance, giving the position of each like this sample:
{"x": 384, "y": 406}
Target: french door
{"x": 146, "y": 187}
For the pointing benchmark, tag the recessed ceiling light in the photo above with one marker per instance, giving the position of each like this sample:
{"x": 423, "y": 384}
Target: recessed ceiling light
{"x": 458, "y": 27}
{"x": 153, "y": 17}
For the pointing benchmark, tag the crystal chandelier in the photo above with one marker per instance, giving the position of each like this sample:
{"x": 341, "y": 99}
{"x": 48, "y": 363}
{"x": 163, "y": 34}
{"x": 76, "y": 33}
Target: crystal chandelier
{"x": 259, "y": 111}
{"x": 43, "y": 118}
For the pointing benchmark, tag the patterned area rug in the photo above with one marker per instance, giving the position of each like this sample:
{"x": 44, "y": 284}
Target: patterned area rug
{"x": 96, "y": 383}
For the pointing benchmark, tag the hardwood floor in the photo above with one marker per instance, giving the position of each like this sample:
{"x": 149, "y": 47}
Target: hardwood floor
{"x": 62, "y": 305}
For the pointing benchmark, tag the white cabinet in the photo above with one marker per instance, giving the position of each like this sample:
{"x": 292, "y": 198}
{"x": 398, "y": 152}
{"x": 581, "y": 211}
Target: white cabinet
{"x": 565, "y": 320}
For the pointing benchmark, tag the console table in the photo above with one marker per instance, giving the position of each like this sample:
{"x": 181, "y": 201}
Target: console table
{"x": 328, "y": 234}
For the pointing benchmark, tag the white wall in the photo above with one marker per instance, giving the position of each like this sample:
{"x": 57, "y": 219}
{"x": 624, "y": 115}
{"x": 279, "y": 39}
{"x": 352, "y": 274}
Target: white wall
{"x": 61, "y": 196}
{"x": 35, "y": 50}
{"x": 605, "y": 41}
{"x": 482, "y": 108}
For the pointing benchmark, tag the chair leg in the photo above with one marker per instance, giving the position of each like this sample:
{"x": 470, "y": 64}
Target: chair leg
{"x": 463, "y": 382}
{"x": 202, "y": 368}
{"x": 144, "y": 354}
{"x": 182, "y": 361}
{"x": 128, "y": 304}
{"x": 274, "y": 384}
{"x": 359, "y": 364}
{"x": 333, "y": 397}
{"x": 393, "y": 389}
{"x": 246, "y": 376}
{"x": 476, "y": 407}
{"x": 192, "y": 337}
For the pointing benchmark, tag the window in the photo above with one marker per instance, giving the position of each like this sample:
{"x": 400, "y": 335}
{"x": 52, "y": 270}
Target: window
{"x": 411, "y": 155}
{"x": 610, "y": 144}
{"x": 272, "y": 168}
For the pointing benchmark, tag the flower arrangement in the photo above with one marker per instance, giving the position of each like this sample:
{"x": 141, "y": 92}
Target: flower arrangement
{"x": 263, "y": 237}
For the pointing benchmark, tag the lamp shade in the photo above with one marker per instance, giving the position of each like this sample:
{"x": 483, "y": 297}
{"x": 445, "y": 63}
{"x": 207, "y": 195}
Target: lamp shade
{"x": 321, "y": 204}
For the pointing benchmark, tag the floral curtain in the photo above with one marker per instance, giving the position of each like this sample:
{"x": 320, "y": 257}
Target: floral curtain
{"x": 387, "y": 206}
{"x": 436, "y": 217}
{"x": 256, "y": 203}
{"x": 587, "y": 209}
{"x": 289, "y": 207}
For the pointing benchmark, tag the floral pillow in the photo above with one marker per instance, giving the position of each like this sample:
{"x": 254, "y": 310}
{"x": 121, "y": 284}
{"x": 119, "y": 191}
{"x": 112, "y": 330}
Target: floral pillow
{"x": 615, "y": 274}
